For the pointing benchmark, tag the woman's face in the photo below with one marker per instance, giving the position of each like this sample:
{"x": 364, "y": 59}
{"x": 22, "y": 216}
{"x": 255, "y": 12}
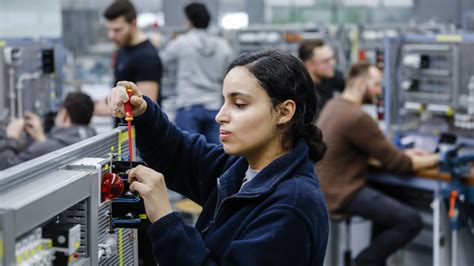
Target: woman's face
{"x": 247, "y": 119}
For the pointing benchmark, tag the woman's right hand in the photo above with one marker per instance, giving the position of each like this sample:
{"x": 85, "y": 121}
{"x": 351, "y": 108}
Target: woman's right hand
{"x": 118, "y": 97}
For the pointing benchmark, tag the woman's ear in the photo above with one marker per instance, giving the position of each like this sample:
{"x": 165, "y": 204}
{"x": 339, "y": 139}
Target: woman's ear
{"x": 286, "y": 110}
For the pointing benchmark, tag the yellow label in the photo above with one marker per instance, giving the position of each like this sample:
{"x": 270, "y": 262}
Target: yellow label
{"x": 25, "y": 255}
{"x": 105, "y": 167}
{"x": 142, "y": 216}
{"x": 70, "y": 258}
{"x": 119, "y": 146}
{"x": 2, "y": 43}
{"x": 449, "y": 38}
{"x": 33, "y": 252}
{"x": 123, "y": 136}
{"x": 18, "y": 259}
{"x": 40, "y": 247}
{"x": 76, "y": 245}
{"x": 450, "y": 111}
{"x": 120, "y": 247}
{"x": 50, "y": 244}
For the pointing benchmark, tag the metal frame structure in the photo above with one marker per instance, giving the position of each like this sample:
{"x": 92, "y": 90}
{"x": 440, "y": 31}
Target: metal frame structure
{"x": 61, "y": 182}
{"x": 393, "y": 92}
{"x": 456, "y": 72}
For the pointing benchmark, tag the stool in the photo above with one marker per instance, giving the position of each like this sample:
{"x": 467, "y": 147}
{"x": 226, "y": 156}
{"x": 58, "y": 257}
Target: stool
{"x": 347, "y": 255}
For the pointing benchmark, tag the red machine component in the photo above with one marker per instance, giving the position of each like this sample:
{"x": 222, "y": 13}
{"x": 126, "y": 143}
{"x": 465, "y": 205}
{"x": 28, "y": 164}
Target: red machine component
{"x": 361, "y": 55}
{"x": 452, "y": 204}
{"x": 111, "y": 187}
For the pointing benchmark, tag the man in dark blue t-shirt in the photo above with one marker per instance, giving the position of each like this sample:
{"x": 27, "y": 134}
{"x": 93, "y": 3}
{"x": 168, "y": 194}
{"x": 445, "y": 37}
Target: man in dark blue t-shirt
{"x": 136, "y": 59}
{"x": 142, "y": 64}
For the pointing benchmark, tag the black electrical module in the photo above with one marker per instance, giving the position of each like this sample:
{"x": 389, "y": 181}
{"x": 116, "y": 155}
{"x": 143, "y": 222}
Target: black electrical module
{"x": 47, "y": 61}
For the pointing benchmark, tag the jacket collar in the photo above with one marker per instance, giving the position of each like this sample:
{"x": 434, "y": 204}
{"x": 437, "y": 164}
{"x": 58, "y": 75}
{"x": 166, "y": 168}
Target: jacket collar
{"x": 265, "y": 181}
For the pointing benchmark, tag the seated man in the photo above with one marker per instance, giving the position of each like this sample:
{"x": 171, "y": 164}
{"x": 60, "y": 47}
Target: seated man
{"x": 71, "y": 125}
{"x": 318, "y": 58}
{"x": 352, "y": 138}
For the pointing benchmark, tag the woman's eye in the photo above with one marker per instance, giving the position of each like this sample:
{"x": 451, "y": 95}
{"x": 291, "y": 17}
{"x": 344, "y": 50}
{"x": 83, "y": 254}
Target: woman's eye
{"x": 240, "y": 105}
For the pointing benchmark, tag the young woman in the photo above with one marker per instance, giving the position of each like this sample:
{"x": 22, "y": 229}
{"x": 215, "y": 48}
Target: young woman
{"x": 261, "y": 200}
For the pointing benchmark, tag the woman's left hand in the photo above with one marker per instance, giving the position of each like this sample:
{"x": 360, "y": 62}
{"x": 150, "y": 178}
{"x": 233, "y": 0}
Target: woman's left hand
{"x": 152, "y": 188}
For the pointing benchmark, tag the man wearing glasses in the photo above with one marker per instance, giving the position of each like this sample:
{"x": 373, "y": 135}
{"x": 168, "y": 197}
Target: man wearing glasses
{"x": 320, "y": 62}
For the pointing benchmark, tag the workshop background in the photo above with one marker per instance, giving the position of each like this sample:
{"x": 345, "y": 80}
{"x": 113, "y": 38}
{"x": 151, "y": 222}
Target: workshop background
{"x": 52, "y": 208}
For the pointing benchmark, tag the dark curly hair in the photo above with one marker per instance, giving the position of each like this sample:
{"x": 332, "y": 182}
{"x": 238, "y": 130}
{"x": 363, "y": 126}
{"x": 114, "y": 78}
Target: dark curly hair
{"x": 80, "y": 108}
{"x": 284, "y": 77}
{"x": 121, "y": 8}
{"x": 198, "y": 14}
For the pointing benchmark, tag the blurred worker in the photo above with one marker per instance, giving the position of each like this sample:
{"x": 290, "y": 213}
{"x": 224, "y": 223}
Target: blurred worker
{"x": 136, "y": 59}
{"x": 261, "y": 199}
{"x": 71, "y": 125}
{"x": 353, "y": 138}
{"x": 319, "y": 61}
{"x": 201, "y": 59}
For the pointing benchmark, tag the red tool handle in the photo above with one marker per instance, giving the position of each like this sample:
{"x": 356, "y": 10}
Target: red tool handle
{"x": 128, "y": 106}
{"x": 452, "y": 203}
{"x": 129, "y": 118}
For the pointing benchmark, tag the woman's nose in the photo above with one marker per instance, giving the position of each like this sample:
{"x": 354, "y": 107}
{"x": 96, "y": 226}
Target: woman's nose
{"x": 221, "y": 116}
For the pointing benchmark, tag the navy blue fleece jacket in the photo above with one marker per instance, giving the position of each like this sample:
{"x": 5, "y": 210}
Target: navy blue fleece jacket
{"x": 278, "y": 218}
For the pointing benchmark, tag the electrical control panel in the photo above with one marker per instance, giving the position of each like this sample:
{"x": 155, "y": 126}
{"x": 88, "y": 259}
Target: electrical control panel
{"x": 31, "y": 76}
{"x": 429, "y": 86}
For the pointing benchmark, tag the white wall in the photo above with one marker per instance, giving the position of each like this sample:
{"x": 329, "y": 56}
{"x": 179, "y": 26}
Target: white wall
{"x": 30, "y": 18}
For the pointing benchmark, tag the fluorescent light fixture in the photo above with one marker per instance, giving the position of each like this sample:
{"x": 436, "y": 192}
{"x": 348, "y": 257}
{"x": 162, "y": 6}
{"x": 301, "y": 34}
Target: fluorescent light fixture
{"x": 145, "y": 20}
{"x": 234, "y": 20}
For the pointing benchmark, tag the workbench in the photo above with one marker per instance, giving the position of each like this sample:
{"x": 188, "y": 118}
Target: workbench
{"x": 423, "y": 191}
